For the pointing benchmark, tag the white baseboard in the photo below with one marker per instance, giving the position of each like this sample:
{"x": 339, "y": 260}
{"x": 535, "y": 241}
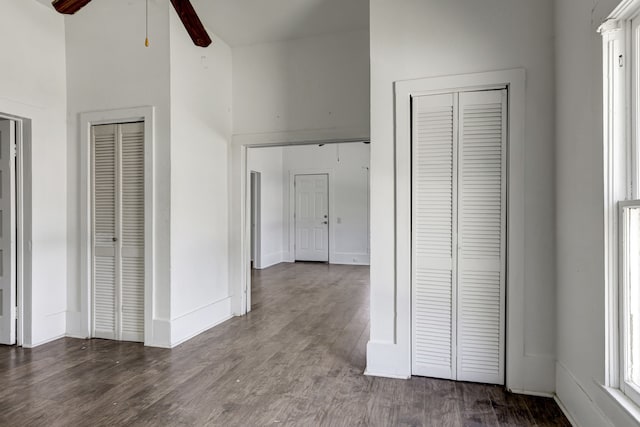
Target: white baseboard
{"x": 577, "y": 405}
{"x": 348, "y": 258}
{"x": 194, "y": 323}
{"x": 75, "y": 325}
{"x": 269, "y": 260}
{"x": 385, "y": 359}
{"x": 565, "y": 411}
{"x": 46, "y": 329}
{"x": 160, "y": 334}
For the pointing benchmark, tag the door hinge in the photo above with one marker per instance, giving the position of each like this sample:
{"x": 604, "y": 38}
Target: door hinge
{"x": 14, "y": 149}
{"x": 620, "y": 61}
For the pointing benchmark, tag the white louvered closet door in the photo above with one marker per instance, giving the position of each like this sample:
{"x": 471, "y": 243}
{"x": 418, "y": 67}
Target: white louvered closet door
{"x": 433, "y": 225}
{"x": 118, "y": 231}
{"x": 481, "y": 236}
{"x": 458, "y": 235}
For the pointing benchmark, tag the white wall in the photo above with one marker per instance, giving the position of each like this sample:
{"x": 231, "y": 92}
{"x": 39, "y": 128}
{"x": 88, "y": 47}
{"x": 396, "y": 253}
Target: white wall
{"x": 108, "y": 67}
{"x": 268, "y": 161}
{"x": 580, "y": 222}
{"x": 416, "y": 39}
{"x": 311, "y": 83}
{"x": 33, "y": 86}
{"x": 348, "y": 198}
{"x": 310, "y": 89}
{"x": 200, "y": 134}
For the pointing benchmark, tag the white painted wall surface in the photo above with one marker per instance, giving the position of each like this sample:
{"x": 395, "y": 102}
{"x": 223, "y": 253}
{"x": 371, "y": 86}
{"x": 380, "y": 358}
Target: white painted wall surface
{"x": 348, "y": 198}
{"x": 415, "y": 39}
{"x": 305, "y": 84}
{"x": 200, "y": 134}
{"x": 269, "y": 162}
{"x": 580, "y": 222}
{"x": 33, "y": 86}
{"x": 108, "y": 67}
{"x": 310, "y": 89}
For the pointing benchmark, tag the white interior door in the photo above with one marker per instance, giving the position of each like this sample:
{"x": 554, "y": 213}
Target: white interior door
{"x": 7, "y": 233}
{"x": 312, "y": 217}
{"x": 481, "y": 236}
{"x": 118, "y": 231}
{"x": 458, "y": 237}
{"x": 434, "y": 235}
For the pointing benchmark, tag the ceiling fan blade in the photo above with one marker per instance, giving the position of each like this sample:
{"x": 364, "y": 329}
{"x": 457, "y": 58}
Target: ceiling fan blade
{"x": 191, "y": 22}
{"x": 69, "y": 7}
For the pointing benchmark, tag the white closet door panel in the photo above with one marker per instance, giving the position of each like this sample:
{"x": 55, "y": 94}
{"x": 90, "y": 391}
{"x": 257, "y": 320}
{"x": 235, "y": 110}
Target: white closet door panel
{"x": 104, "y": 230}
{"x": 132, "y": 229}
{"x": 434, "y": 224}
{"x": 481, "y": 234}
{"x": 7, "y": 233}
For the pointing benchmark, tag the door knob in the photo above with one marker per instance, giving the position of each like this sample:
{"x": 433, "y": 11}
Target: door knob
{"x": 115, "y": 239}
{"x": 325, "y": 222}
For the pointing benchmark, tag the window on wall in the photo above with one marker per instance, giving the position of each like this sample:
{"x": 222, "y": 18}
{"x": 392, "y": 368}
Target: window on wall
{"x": 621, "y": 72}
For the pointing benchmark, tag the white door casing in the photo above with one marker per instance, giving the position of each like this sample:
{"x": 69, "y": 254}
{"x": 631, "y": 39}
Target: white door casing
{"x": 118, "y": 231}
{"x": 7, "y": 233}
{"x": 312, "y": 217}
{"x": 458, "y": 222}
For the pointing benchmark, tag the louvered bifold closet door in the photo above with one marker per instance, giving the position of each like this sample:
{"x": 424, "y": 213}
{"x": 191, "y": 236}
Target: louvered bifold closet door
{"x": 104, "y": 139}
{"x": 132, "y": 230}
{"x": 434, "y": 150}
{"x": 481, "y": 236}
{"x": 118, "y": 231}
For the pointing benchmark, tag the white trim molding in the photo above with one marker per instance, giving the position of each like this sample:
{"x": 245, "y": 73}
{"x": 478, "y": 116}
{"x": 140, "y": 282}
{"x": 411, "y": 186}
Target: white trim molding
{"x": 87, "y": 120}
{"x": 393, "y": 359}
{"x": 239, "y": 197}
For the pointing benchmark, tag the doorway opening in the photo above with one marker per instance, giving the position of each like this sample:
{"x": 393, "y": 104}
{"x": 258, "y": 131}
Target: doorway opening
{"x": 305, "y": 203}
{"x": 14, "y": 132}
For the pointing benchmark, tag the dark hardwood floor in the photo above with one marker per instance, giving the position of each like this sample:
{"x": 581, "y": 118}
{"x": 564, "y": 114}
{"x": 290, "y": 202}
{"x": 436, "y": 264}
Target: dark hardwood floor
{"x": 297, "y": 360}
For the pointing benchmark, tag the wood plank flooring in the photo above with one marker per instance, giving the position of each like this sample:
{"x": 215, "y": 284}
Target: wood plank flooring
{"x": 296, "y": 360}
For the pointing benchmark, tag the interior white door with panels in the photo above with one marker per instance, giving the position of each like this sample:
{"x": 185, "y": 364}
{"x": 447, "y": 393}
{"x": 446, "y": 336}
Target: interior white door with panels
{"x": 312, "y": 217}
{"x": 118, "y": 231}
{"x": 7, "y": 233}
{"x": 458, "y": 241}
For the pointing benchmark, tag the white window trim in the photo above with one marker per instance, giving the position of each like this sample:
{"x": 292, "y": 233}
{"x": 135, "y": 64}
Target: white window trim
{"x": 619, "y": 106}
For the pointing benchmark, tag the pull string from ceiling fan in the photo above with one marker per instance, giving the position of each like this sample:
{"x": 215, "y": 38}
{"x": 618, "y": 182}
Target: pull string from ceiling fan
{"x": 146, "y": 24}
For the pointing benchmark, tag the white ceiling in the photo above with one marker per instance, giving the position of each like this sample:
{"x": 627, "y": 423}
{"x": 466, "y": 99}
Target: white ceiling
{"x": 243, "y": 22}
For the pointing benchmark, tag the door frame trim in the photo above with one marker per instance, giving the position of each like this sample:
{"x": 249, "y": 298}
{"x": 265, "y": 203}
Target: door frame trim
{"x": 23, "y": 225}
{"x": 239, "y": 224}
{"x": 256, "y": 206}
{"x": 145, "y": 114}
{"x": 292, "y": 210}
{"x": 516, "y": 359}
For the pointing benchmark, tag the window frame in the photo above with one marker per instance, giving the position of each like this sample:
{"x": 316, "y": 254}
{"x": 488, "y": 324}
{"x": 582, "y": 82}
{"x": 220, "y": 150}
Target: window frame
{"x": 621, "y": 132}
{"x": 629, "y": 389}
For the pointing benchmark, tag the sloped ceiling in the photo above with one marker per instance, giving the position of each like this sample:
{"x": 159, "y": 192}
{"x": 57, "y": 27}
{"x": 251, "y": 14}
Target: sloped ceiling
{"x": 244, "y": 22}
